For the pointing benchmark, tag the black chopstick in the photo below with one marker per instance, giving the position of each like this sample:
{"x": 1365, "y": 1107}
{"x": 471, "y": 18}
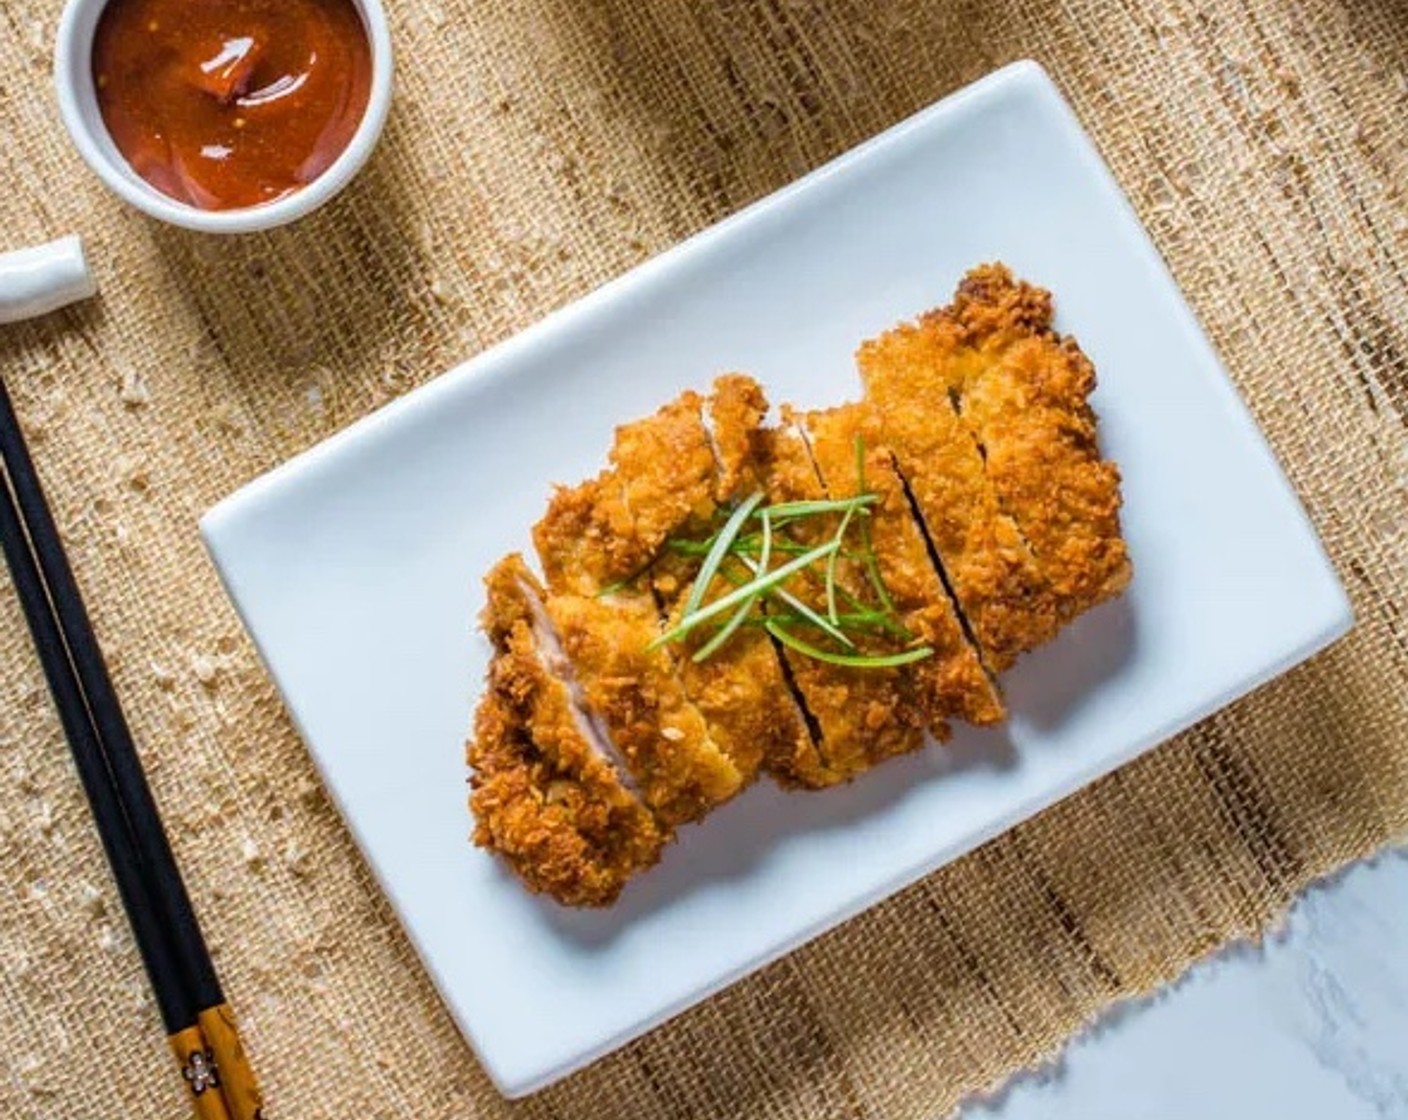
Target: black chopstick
{"x": 173, "y": 1002}
{"x": 178, "y": 962}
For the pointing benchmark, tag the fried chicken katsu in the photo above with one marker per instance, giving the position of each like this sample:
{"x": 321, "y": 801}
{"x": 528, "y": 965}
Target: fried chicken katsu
{"x": 606, "y": 531}
{"x": 863, "y": 716}
{"x": 1024, "y": 392}
{"x": 669, "y": 474}
{"x": 729, "y": 598}
{"x": 633, "y": 690}
{"x": 1000, "y": 587}
{"x": 751, "y": 711}
{"x": 667, "y": 471}
{"x": 848, "y": 454}
{"x": 551, "y": 793}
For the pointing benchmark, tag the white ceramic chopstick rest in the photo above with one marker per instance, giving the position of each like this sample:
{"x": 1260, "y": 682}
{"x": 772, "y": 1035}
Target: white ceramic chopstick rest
{"x": 44, "y": 278}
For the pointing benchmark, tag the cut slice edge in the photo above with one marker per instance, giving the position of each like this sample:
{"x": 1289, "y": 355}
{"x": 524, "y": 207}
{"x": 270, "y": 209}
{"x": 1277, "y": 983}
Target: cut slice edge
{"x": 1023, "y": 391}
{"x": 750, "y": 712}
{"x": 863, "y": 715}
{"x": 633, "y": 689}
{"x": 999, "y": 587}
{"x": 548, "y": 794}
{"x": 847, "y": 451}
{"x": 606, "y": 531}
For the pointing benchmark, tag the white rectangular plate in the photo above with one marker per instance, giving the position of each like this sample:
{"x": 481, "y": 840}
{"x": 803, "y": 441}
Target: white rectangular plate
{"x": 356, "y": 568}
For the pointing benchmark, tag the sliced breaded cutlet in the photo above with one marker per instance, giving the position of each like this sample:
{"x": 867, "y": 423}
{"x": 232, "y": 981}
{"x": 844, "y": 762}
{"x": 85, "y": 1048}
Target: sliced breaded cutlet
{"x": 596, "y": 543}
{"x": 733, "y": 421}
{"x": 742, "y": 692}
{"x": 636, "y": 694}
{"x": 1024, "y": 392}
{"x": 550, "y": 792}
{"x": 671, "y": 474}
{"x": 605, "y": 532}
{"x": 861, "y": 715}
{"x": 1001, "y": 591}
{"x": 851, "y": 459}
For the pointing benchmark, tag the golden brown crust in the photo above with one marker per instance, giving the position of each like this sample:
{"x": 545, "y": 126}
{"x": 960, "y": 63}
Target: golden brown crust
{"x": 610, "y": 528}
{"x": 586, "y": 539}
{"x": 953, "y": 681}
{"x": 681, "y": 772}
{"x": 670, "y": 472}
{"x": 1024, "y": 392}
{"x": 542, "y": 796}
{"x": 559, "y": 835}
{"x": 740, "y": 691}
{"x": 999, "y": 585}
{"x": 736, "y": 410}
{"x": 590, "y": 747}
{"x": 863, "y": 715}
{"x": 666, "y": 468}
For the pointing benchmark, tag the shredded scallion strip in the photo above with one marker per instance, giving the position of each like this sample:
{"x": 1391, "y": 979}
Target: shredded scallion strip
{"x": 746, "y": 607}
{"x": 816, "y": 619}
{"x": 722, "y": 542}
{"x": 733, "y": 598}
{"x": 750, "y": 536}
{"x": 872, "y": 567}
{"x": 781, "y": 510}
{"x": 831, "y": 565}
{"x": 853, "y": 660}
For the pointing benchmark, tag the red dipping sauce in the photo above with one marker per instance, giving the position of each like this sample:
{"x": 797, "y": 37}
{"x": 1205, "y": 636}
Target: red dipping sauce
{"x": 231, "y": 103}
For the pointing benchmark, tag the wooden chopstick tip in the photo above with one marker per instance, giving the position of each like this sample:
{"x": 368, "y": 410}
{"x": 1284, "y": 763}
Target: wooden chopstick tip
{"x": 237, "y": 1080}
{"x": 200, "y": 1073}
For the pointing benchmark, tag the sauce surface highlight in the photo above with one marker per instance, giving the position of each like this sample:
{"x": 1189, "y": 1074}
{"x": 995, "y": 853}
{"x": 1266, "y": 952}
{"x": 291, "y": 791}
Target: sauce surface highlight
{"x": 231, "y": 103}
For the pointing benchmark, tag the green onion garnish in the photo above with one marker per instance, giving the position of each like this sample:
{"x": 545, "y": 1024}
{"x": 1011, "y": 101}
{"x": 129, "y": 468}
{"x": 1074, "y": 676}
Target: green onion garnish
{"x": 750, "y": 536}
{"x": 868, "y": 621}
{"x": 746, "y": 607}
{"x": 831, "y": 566}
{"x": 784, "y": 596}
{"x": 736, "y": 596}
{"x": 872, "y": 568}
{"x": 719, "y": 551}
{"x": 822, "y": 505}
{"x": 853, "y": 660}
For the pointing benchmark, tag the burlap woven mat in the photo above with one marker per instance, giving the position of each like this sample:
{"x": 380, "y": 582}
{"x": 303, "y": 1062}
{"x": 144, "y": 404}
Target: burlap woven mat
{"x": 538, "y": 147}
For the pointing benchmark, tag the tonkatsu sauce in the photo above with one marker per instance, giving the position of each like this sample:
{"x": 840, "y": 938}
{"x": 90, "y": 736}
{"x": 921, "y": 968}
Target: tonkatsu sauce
{"x": 231, "y": 103}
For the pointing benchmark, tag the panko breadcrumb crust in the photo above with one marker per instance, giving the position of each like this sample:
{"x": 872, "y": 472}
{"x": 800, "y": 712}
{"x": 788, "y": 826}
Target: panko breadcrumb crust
{"x": 995, "y": 522}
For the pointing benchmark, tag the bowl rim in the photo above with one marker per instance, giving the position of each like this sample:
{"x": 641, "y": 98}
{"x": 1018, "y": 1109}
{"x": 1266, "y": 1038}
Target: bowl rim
{"x": 78, "y": 106}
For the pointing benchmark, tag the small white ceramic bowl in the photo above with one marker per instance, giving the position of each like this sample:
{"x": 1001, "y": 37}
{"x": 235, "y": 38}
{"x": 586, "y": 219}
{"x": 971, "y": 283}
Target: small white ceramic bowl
{"x": 78, "y": 102}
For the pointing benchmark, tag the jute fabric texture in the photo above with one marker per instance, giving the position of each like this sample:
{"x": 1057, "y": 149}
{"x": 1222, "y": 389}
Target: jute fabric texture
{"x": 537, "y": 148}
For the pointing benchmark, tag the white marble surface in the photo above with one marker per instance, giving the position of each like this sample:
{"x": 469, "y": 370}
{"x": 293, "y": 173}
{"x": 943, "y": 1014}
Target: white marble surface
{"x": 1311, "y": 1026}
